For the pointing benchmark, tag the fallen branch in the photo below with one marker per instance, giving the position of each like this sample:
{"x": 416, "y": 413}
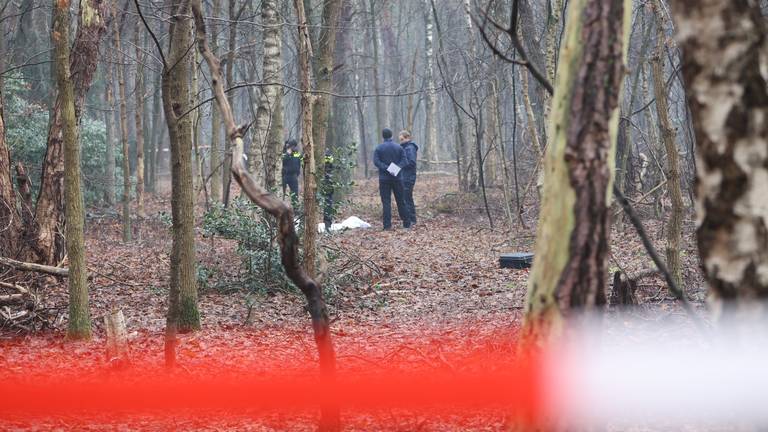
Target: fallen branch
{"x": 25, "y": 266}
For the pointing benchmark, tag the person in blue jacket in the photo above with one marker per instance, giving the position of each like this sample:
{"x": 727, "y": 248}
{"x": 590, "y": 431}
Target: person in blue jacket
{"x": 408, "y": 174}
{"x": 385, "y": 154}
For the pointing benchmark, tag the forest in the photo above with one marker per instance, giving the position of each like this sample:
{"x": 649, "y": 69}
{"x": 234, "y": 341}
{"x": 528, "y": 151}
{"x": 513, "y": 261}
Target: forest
{"x": 197, "y": 229}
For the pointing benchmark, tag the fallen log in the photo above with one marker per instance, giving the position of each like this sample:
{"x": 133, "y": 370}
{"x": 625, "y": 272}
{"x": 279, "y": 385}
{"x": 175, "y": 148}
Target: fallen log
{"x": 21, "y": 296}
{"x": 25, "y": 266}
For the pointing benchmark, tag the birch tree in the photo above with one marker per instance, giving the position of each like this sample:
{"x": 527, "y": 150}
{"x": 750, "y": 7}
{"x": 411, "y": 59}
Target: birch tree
{"x": 724, "y": 44}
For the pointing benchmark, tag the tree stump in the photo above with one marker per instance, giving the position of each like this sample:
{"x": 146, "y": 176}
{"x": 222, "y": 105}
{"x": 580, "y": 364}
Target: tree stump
{"x": 623, "y": 293}
{"x": 117, "y": 340}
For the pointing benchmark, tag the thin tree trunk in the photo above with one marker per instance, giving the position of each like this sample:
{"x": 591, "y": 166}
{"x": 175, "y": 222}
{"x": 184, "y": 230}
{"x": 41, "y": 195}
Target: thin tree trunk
{"x": 79, "y": 316}
{"x": 430, "y": 126}
{"x": 570, "y": 271}
{"x": 109, "y": 116}
{"x": 323, "y": 76}
{"x": 183, "y": 313}
{"x": 264, "y": 154}
{"x": 674, "y": 225}
{"x": 123, "y": 133}
{"x": 198, "y": 178}
{"x": 138, "y": 113}
{"x": 374, "y": 35}
{"x": 724, "y": 47}
{"x": 158, "y": 131}
{"x": 553, "y": 30}
{"x": 10, "y": 216}
{"x": 226, "y": 178}
{"x": 621, "y": 172}
{"x": 309, "y": 169}
{"x": 215, "y": 156}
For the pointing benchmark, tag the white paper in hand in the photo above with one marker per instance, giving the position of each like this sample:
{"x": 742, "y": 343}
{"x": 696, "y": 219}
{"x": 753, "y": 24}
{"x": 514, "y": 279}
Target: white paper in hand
{"x": 393, "y": 169}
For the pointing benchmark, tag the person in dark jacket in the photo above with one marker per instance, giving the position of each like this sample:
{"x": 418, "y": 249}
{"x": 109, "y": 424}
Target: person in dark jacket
{"x": 327, "y": 189}
{"x": 408, "y": 174}
{"x": 386, "y": 154}
{"x": 291, "y": 167}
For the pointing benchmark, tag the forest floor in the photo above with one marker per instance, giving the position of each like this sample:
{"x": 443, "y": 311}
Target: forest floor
{"x": 413, "y": 299}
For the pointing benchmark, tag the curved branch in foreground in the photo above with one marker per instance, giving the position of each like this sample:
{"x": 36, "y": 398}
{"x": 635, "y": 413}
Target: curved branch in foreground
{"x": 673, "y": 288}
{"x": 289, "y": 241}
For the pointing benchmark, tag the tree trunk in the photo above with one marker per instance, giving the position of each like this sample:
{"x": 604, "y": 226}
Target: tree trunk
{"x": 380, "y": 110}
{"x": 226, "y": 178}
{"x": 45, "y": 242}
{"x": 570, "y": 269}
{"x": 309, "y": 169}
{"x": 158, "y": 132}
{"x": 430, "y": 126}
{"x": 265, "y": 152}
{"x": 109, "y": 116}
{"x": 183, "y": 313}
{"x": 79, "y": 317}
{"x": 123, "y": 132}
{"x": 723, "y": 42}
{"x": 674, "y": 225}
{"x": 10, "y": 220}
{"x": 215, "y": 157}
{"x": 138, "y": 114}
{"x": 323, "y": 74}
{"x": 552, "y": 42}
{"x": 625, "y": 149}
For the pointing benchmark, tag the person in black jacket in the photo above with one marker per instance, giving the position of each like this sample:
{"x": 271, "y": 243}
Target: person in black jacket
{"x": 291, "y": 167}
{"x": 386, "y": 154}
{"x": 408, "y": 174}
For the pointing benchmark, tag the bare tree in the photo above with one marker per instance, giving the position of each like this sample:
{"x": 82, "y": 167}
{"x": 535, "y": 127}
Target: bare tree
{"x": 570, "y": 271}
{"x": 79, "y": 317}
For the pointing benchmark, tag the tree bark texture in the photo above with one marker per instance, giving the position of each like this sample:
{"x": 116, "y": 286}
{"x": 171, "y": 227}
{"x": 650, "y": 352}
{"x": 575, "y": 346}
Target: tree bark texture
{"x": 325, "y": 46}
{"x": 138, "y": 115}
{"x": 264, "y": 153}
{"x": 570, "y": 270}
{"x": 675, "y": 222}
{"x": 215, "y": 158}
{"x": 430, "y": 126}
{"x": 309, "y": 168}
{"x": 126, "y": 166}
{"x": 183, "y": 312}
{"x": 79, "y": 326}
{"x": 724, "y": 45}
{"x": 10, "y": 216}
{"x": 109, "y": 116}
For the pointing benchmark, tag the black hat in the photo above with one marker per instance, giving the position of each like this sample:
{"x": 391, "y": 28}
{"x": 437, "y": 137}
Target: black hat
{"x": 386, "y": 133}
{"x": 291, "y": 143}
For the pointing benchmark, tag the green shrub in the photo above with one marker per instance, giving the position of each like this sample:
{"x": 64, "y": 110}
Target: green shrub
{"x": 27, "y": 133}
{"x": 256, "y": 243}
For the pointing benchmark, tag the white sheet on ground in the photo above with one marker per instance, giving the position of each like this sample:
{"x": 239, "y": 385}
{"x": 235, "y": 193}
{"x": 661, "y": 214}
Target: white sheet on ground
{"x": 352, "y": 222}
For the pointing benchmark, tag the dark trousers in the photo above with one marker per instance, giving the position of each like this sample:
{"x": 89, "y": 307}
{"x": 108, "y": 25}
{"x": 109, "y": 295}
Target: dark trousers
{"x": 328, "y": 209}
{"x": 292, "y": 182}
{"x": 408, "y": 200}
{"x": 386, "y": 189}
